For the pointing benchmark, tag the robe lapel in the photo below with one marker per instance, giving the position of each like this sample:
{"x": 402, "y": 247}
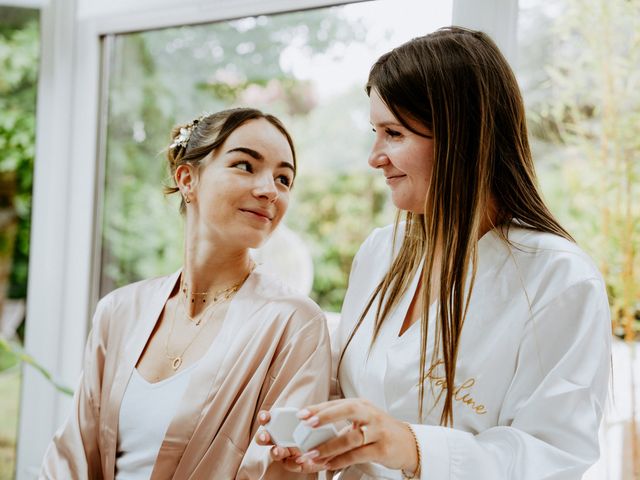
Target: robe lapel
{"x": 150, "y": 313}
{"x": 176, "y": 458}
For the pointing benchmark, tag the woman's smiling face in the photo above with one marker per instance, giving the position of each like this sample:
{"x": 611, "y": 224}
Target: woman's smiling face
{"x": 242, "y": 189}
{"x": 405, "y": 158}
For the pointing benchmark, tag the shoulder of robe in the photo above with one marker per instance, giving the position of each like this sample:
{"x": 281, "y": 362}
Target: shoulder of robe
{"x": 121, "y": 305}
{"x": 275, "y": 292}
{"x": 138, "y": 291}
{"x": 375, "y": 254}
{"x": 554, "y": 255}
{"x": 547, "y": 265}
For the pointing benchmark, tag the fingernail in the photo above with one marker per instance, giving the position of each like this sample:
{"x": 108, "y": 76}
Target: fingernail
{"x": 313, "y": 421}
{"x": 263, "y": 416}
{"x": 262, "y": 437}
{"x": 278, "y": 451}
{"x": 300, "y": 460}
{"x": 312, "y": 454}
{"x": 304, "y": 413}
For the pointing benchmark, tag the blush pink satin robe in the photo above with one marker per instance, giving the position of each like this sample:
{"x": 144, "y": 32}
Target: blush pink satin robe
{"x": 272, "y": 350}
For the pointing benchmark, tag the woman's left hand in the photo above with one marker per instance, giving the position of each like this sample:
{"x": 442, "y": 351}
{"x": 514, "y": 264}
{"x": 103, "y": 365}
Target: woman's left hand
{"x": 375, "y": 436}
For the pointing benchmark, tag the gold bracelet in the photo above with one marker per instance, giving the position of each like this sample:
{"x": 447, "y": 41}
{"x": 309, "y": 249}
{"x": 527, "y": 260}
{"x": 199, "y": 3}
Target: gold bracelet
{"x": 416, "y": 473}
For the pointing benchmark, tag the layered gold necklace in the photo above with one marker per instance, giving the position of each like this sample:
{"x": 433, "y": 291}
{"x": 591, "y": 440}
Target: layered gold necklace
{"x": 217, "y": 298}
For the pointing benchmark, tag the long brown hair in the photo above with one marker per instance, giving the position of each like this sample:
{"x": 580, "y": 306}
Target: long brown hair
{"x": 456, "y": 83}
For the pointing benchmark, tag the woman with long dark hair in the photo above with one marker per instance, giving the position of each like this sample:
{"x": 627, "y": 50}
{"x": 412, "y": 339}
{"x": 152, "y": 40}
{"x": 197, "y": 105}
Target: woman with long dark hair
{"x": 475, "y": 335}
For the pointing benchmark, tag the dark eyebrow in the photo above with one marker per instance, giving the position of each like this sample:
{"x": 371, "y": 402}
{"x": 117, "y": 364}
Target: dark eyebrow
{"x": 249, "y": 151}
{"x": 387, "y": 124}
{"x": 429, "y": 133}
{"x": 287, "y": 165}
{"x": 258, "y": 156}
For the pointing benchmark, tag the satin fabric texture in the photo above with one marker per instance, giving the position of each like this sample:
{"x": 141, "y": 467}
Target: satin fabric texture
{"x": 272, "y": 350}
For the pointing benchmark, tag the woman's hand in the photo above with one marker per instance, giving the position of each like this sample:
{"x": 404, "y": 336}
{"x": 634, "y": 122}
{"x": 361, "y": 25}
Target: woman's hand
{"x": 290, "y": 458}
{"x": 375, "y": 436}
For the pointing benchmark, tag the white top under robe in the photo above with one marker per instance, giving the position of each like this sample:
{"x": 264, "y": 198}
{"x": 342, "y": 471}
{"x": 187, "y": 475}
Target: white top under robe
{"x": 146, "y": 411}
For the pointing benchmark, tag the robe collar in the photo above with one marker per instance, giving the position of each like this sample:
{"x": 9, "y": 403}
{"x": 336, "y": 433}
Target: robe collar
{"x": 238, "y": 326}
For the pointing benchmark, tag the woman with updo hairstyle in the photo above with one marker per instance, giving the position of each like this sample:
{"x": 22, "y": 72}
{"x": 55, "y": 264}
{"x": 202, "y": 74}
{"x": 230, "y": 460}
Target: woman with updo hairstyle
{"x": 176, "y": 368}
{"x": 474, "y": 341}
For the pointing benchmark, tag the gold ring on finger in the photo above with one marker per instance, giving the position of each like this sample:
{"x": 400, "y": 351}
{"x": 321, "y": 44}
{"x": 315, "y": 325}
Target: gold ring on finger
{"x": 363, "y": 430}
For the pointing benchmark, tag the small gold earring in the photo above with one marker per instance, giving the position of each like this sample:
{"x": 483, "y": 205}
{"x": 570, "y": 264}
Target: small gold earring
{"x": 187, "y": 199}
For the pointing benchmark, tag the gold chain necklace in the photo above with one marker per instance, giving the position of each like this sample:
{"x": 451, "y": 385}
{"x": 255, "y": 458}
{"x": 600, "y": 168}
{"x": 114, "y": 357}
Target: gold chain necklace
{"x": 219, "y": 297}
{"x": 185, "y": 288}
{"x": 176, "y": 360}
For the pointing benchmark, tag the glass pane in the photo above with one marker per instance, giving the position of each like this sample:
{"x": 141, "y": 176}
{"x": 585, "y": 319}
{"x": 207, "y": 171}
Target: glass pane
{"x": 309, "y": 68}
{"x": 19, "y": 52}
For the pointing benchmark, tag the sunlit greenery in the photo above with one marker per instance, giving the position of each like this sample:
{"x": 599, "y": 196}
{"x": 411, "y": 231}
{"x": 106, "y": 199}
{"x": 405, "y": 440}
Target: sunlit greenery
{"x": 163, "y": 77}
{"x": 335, "y": 212}
{"x": 585, "y": 121}
{"x": 580, "y": 87}
{"x": 9, "y": 402}
{"x": 19, "y": 52}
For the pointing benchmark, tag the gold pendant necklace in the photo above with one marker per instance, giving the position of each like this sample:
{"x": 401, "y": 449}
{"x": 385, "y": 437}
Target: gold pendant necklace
{"x": 219, "y": 297}
{"x": 176, "y": 360}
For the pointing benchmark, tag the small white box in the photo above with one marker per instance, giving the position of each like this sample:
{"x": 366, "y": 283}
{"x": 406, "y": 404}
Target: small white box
{"x": 308, "y": 437}
{"x": 280, "y": 428}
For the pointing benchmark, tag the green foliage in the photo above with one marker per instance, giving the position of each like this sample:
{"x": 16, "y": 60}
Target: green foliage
{"x": 7, "y": 359}
{"x": 15, "y": 352}
{"x": 590, "y": 122}
{"x": 163, "y": 77}
{"x": 334, "y": 213}
{"x": 9, "y": 404}
{"x": 18, "y": 83}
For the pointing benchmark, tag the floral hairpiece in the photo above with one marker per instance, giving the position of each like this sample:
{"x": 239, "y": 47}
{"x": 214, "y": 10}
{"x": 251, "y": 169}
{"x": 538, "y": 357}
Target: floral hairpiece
{"x": 182, "y": 139}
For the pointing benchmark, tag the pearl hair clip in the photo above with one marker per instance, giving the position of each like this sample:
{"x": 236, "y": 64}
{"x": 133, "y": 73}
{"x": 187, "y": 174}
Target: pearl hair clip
{"x": 182, "y": 139}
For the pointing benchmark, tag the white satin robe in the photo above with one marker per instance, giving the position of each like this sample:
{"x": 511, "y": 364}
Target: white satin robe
{"x": 272, "y": 350}
{"x": 532, "y": 372}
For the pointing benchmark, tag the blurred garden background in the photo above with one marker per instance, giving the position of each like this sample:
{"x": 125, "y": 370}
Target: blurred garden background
{"x": 19, "y": 49}
{"x": 578, "y": 64}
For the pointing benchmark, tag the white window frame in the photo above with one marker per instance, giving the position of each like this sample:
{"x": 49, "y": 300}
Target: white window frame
{"x": 68, "y": 176}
